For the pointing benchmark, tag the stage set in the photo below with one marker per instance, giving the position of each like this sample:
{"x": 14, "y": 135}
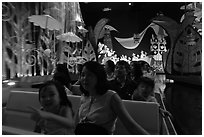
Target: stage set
{"x": 36, "y": 36}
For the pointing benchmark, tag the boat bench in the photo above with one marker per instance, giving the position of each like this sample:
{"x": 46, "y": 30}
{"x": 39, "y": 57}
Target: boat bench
{"x": 31, "y": 81}
{"x": 6, "y": 92}
{"x": 17, "y": 114}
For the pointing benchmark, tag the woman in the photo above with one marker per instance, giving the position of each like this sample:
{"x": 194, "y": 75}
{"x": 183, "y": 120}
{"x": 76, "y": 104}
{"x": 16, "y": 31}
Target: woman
{"x": 109, "y": 69}
{"x": 100, "y": 106}
{"x": 135, "y": 71}
{"x": 122, "y": 83}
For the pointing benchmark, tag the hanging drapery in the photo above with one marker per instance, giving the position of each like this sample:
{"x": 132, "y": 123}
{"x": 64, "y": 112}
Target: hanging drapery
{"x": 133, "y": 42}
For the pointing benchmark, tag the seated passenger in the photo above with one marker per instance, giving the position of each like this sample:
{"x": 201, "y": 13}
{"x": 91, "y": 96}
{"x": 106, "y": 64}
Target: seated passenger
{"x": 122, "y": 82}
{"x": 100, "y": 107}
{"x": 135, "y": 71}
{"x": 109, "y": 68}
{"x": 56, "y": 116}
{"x": 144, "y": 90}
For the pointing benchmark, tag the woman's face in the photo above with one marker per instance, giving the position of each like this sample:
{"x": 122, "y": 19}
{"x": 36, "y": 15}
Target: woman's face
{"x": 49, "y": 98}
{"x": 120, "y": 71}
{"x": 106, "y": 67}
{"x": 88, "y": 79}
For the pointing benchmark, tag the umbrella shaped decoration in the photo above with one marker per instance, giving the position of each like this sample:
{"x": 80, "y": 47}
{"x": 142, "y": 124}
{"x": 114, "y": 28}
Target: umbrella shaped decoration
{"x": 45, "y": 22}
{"x": 69, "y": 37}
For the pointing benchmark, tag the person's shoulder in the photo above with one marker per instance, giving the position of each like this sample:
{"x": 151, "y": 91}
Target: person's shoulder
{"x": 111, "y": 92}
{"x": 112, "y": 80}
{"x": 152, "y": 99}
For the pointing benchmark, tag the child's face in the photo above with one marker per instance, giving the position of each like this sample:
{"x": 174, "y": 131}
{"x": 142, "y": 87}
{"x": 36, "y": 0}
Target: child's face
{"x": 49, "y": 98}
{"x": 144, "y": 89}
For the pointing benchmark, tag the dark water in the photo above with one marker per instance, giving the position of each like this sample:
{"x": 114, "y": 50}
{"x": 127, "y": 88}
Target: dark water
{"x": 184, "y": 101}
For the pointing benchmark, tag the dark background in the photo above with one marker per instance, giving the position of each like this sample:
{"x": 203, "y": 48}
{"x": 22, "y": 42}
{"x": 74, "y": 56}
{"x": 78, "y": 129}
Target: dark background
{"x": 129, "y": 19}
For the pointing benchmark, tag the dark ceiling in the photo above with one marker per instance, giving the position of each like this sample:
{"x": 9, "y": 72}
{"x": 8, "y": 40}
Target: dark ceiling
{"x": 129, "y": 19}
{"x": 93, "y": 11}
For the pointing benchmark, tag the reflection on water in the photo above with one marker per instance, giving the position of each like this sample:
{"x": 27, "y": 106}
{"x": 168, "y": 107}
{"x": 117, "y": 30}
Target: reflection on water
{"x": 184, "y": 101}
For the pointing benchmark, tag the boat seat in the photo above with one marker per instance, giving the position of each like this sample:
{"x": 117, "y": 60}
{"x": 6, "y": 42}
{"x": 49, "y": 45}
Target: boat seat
{"x": 17, "y": 114}
{"x": 6, "y": 92}
{"x": 75, "y": 100}
{"x": 144, "y": 113}
{"x": 6, "y": 130}
{"x": 29, "y": 81}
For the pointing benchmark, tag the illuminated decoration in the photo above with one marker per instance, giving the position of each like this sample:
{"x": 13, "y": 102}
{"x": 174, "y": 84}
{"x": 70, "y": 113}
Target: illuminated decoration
{"x": 45, "y": 22}
{"x": 133, "y": 42}
{"x": 194, "y": 9}
{"x": 184, "y": 55}
{"x": 98, "y": 28}
{"x": 81, "y": 29}
{"x": 158, "y": 46}
{"x": 107, "y": 9}
{"x": 187, "y": 53}
{"x": 49, "y": 23}
{"x": 108, "y": 54}
{"x": 107, "y": 35}
{"x": 41, "y": 57}
{"x": 7, "y": 11}
{"x": 14, "y": 38}
{"x": 143, "y": 56}
{"x": 69, "y": 37}
{"x": 125, "y": 58}
{"x": 104, "y": 53}
{"x": 29, "y": 50}
{"x": 88, "y": 52}
{"x": 70, "y": 60}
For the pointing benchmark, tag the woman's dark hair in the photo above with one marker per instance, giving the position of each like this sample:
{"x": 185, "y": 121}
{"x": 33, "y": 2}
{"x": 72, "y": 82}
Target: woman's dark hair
{"x": 64, "y": 101}
{"x": 99, "y": 71}
{"x": 137, "y": 70}
{"x": 111, "y": 65}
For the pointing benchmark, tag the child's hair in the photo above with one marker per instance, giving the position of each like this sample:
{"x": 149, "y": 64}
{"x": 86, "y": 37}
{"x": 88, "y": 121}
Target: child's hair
{"x": 146, "y": 80}
{"x": 60, "y": 89}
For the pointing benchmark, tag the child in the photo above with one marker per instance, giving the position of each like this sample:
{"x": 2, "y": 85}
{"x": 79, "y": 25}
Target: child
{"x": 56, "y": 115}
{"x": 144, "y": 90}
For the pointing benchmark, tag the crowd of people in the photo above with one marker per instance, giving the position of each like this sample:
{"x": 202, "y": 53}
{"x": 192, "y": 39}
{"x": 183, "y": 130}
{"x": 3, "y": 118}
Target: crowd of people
{"x": 102, "y": 89}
